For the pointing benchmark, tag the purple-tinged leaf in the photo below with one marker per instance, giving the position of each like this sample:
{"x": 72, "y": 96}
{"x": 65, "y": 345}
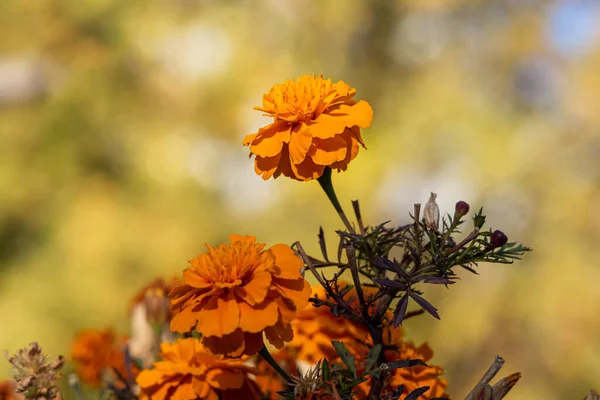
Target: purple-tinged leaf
{"x": 436, "y": 280}
{"x": 390, "y": 283}
{"x": 400, "y": 310}
{"x": 425, "y": 305}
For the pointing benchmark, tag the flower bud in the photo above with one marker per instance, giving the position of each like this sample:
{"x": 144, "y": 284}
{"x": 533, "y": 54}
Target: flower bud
{"x": 461, "y": 209}
{"x": 498, "y": 239}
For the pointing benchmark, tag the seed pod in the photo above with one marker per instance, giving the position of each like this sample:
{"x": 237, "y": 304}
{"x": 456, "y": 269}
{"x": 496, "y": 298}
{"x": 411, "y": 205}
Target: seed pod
{"x": 498, "y": 239}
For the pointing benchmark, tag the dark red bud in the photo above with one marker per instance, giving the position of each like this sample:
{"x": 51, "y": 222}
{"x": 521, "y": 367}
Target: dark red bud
{"x": 498, "y": 239}
{"x": 461, "y": 209}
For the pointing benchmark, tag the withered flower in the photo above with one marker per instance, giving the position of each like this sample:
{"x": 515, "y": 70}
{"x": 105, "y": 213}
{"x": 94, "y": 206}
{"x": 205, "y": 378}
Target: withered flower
{"x": 35, "y": 375}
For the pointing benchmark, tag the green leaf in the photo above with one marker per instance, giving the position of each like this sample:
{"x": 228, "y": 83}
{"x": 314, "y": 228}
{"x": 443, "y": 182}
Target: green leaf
{"x": 479, "y": 219}
{"x": 373, "y": 356}
{"x": 326, "y": 370}
{"x": 345, "y": 355}
{"x": 404, "y": 364}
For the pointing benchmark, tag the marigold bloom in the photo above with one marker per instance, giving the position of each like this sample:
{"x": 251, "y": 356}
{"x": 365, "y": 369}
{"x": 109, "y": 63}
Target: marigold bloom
{"x": 234, "y": 293}
{"x": 96, "y": 352}
{"x": 316, "y": 124}
{"x": 188, "y": 372}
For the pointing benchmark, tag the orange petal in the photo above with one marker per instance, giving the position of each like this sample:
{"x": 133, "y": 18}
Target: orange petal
{"x": 299, "y": 143}
{"x": 249, "y": 138}
{"x": 270, "y": 139}
{"x": 298, "y": 291}
{"x": 201, "y": 387}
{"x": 184, "y": 321}
{"x": 328, "y": 151}
{"x": 255, "y": 319}
{"x": 287, "y": 263}
{"x": 185, "y": 390}
{"x": 359, "y": 114}
{"x": 149, "y": 377}
{"x": 224, "y": 379}
{"x": 256, "y": 289}
{"x": 231, "y": 345}
{"x": 279, "y": 333}
{"x": 284, "y": 166}
{"x": 307, "y": 170}
{"x": 266, "y": 166}
{"x": 243, "y": 239}
{"x": 219, "y": 316}
{"x": 327, "y": 126}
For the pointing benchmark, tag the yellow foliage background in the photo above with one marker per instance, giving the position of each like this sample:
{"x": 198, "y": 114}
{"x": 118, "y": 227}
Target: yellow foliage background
{"x": 120, "y": 156}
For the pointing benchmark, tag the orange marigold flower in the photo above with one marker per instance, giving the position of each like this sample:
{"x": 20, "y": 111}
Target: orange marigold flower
{"x": 97, "y": 352}
{"x": 234, "y": 293}
{"x": 316, "y": 125}
{"x": 7, "y": 391}
{"x": 188, "y": 372}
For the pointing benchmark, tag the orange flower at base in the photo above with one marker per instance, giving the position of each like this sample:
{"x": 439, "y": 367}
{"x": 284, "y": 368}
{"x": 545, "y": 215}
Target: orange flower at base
{"x": 7, "y": 391}
{"x": 190, "y": 372}
{"x": 232, "y": 294}
{"x": 316, "y": 327}
{"x": 316, "y": 125}
{"x": 95, "y": 352}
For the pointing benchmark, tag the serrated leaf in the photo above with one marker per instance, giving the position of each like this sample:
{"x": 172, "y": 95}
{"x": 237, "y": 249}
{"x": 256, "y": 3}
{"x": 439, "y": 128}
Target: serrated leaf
{"x": 425, "y": 305}
{"x": 373, "y": 356}
{"x": 344, "y": 353}
{"x": 414, "y": 395}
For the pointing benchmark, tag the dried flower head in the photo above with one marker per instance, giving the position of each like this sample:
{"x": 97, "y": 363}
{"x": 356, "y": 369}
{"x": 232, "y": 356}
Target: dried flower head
{"x": 234, "y": 293}
{"x": 316, "y": 124}
{"x": 96, "y": 353}
{"x": 154, "y": 299}
{"x": 8, "y": 390}
{"x": 189, "y": 371}
{"x": 35, "y": 376}
{"x": 431, "y": 213}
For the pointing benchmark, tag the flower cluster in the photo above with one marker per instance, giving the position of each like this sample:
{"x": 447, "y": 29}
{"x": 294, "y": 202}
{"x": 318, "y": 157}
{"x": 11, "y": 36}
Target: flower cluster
{"x": 207, "y": 335}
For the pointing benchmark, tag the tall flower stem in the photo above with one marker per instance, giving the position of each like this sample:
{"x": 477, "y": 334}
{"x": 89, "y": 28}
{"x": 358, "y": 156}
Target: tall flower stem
{"x": 327, "y": 185}
{"x": 264, "y": 353}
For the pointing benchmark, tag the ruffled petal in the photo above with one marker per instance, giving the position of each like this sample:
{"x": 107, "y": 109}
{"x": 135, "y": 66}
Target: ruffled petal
{"x": 299, "y": 143}
{"x": 224, "y": 379}
{"x": 328, "y": 151}
{"x": 256, "y": 289}
{"x": 359, "y": 114}
{"x": 287, "y": 263}
{"x": 254, "y": 319}
{"x": 219, "y": 316}
{"x": 266, "y": 166}
{"x": 270, "y": 139}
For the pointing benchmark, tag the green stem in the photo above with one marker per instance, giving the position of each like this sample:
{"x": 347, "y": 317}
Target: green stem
{"x": 264, "y": 353}
{"x": 327, "y": 185}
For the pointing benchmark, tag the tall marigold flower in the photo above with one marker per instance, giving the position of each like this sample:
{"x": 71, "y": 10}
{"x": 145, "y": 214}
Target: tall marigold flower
{"x": 316, "y": 124}
{"x": 189, "y": 372}
{"x": 234, "y": 293}
{"x": 95, "y": 353}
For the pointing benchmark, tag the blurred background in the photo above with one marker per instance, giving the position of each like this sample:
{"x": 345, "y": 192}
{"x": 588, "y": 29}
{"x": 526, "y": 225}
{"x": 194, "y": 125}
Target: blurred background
{"x": 120, "y": 155}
